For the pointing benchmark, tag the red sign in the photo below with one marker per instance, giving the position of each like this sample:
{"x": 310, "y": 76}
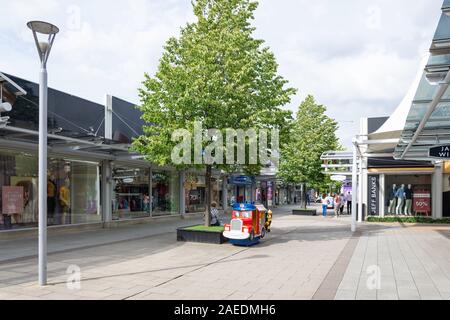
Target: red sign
{"x": 12, "y": 200}
{"x": 422, "y": 202}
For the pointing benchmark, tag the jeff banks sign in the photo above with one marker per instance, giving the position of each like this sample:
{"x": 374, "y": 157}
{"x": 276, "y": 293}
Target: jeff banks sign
{"x": 441, "y": 152}
{"x": 373, "y": 196}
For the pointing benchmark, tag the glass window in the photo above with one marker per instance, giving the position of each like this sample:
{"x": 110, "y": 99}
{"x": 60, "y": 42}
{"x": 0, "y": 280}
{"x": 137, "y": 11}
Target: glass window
{"x": 73, "y": 191}
{"x": 19, "y": 190}
{"x": 165, "y": 192}
{"x": 131, "y": 193}
{"x": 84, "y": 192}
{"x": 195, "y": 192}
{"x": 408, "y": 194}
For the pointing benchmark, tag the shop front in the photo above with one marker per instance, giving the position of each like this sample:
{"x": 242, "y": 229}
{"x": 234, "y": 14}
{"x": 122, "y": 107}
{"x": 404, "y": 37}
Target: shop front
{"x": 399, "y": 192}
{"x": 165, "y": 192}
{"x": 131, "y": 192}
{"x": 240, "y": 189}
{"x": 73, "y": 190}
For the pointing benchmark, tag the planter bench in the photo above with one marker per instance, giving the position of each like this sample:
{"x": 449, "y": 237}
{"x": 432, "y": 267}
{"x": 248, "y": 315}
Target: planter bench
{"x": 304, "y": 212}
{"x": 187, "y": 234}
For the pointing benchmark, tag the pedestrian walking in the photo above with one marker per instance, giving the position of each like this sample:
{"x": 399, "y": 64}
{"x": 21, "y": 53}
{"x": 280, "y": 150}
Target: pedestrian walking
{"x": 342, "y": 204}
{"x": 348, "y": 200}
{"x": 324, "y": 205}
{"x": 337, "y": 205}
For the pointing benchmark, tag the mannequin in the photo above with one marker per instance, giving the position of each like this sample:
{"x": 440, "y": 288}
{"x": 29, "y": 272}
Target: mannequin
{"x": 400, "y": 199}
{"x": 64, "y": 200}
{"x": 392, "y": 199}
{"x": 408, "y": 200}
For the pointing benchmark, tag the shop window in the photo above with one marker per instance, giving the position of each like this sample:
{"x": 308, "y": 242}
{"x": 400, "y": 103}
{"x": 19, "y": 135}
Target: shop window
{"x": 408, "y": 195}
{"x": 195, "y": 192}
{"x": 131, "y": 193}
{"x": 82, "y": 192}
{"x": 165, "y": 192}
{"x": 72, "y": 191}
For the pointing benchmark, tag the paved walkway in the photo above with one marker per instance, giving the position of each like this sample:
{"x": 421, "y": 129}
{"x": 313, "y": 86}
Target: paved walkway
{"x": 303, "y": 258}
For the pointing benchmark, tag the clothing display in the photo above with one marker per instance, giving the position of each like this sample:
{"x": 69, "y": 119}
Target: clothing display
{"x": 51, "y": 198}
{"x": 393, "y": 200}
{"x": 400, "y": 194}
{"x": 408, "y": 200}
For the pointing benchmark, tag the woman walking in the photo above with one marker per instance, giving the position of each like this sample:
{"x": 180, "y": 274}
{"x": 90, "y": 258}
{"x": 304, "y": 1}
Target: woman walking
{"x": 337, "y": 205}
{"x": 324, "y": 205}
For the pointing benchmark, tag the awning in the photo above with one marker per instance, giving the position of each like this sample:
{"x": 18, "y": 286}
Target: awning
{"x": 11, "y": 86}
{"x": 428, "y": 120}
{"x": 93, "y": 146}
{"x": 393, "y": 127}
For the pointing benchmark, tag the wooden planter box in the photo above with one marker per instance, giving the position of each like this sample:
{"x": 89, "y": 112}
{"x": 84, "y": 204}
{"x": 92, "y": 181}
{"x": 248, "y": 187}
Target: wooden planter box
{"x": 304, "y": 212}
{"x": 212, "y": 237}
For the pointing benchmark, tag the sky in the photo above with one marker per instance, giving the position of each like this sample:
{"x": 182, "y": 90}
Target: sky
{"x": 356, "y": 57}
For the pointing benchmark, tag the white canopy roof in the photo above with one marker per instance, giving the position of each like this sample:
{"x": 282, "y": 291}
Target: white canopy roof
{"x": 393, "y": 127}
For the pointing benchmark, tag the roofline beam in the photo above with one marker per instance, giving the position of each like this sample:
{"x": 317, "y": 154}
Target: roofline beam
{"x": 54, "y": 136}
{"x": 443, "y": 86}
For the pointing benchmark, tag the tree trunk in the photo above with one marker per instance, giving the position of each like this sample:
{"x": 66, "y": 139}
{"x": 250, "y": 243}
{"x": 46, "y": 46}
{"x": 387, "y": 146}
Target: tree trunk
{"x": 303, "y": 196}
{"x": 208, "y": 196}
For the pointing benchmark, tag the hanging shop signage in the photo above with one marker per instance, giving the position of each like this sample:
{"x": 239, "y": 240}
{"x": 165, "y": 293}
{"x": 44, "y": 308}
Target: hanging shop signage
{"x": 338, "y": 178}
{"x": 441, "y": 152}
{"x": 373, "y": 196}
{"x": 241, "y": 180}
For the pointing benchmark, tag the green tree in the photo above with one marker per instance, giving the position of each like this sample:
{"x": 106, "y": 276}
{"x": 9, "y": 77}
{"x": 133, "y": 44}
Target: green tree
{"x": 311, "y": 133}
{"x": 217, "y": 73}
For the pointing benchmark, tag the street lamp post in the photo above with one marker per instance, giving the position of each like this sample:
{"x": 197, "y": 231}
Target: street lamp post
{"x": 44, "y": 48}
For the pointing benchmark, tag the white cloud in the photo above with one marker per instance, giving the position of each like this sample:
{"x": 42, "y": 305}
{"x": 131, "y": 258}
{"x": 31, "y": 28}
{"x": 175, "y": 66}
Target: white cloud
{"x": 358, "y": 58}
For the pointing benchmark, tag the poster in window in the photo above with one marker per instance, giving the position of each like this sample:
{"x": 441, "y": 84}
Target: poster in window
{"x": 422, "y": 201}
{"x": 12, "y": 200}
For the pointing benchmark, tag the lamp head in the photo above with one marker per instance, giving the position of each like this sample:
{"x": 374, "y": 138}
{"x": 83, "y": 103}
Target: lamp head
{"x": 43, "y": 27}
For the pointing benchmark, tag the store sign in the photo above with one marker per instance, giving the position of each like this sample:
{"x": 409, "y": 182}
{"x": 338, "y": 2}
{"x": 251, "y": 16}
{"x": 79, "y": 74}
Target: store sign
{"x": 422, "y": 202}
{"x": 373, "y": 196}
{"x": 12, "y": 200}
{"x": 338, "y": 178}
{"x": 441, "y": 152}
{"x": 241, "y": 180}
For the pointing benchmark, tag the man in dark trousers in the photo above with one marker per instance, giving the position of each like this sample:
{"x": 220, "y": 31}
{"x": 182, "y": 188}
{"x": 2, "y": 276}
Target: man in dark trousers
{"x": 348, "y": 199}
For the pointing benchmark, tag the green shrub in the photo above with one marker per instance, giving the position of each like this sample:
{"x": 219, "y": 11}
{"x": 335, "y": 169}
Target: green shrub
{"x": 409, "y": 220}
{"x": 205, "y": 229}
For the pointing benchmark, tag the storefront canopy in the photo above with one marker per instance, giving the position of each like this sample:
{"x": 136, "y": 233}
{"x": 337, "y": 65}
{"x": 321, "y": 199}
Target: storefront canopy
{"x": 10, "y": 86}
{"x": 428, "y": 120}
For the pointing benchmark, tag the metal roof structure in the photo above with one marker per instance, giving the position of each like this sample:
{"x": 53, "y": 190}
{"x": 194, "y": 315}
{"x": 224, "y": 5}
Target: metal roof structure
{"x": 428, "y": 119}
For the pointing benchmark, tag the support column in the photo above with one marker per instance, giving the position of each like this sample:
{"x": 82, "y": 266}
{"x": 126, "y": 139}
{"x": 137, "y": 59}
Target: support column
{"x": 354, "y": 185}
{"x": 436, "y": 191}
{"x": 150, "y": 189}
{"x": 225, "y": 193}
{"x": 108, "y": 117}
{"x": 182, "y": 193}
{"x": 106, "y": 191}
{"x": 360, "y": 191}
{"x": 382, "y": 194}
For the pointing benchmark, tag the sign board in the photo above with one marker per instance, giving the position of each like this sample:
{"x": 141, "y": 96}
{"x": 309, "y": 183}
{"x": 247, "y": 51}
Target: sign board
{"x": 12, "y": 200}
{"x": 441, "y": 152}
{"x": 338, "y": 178}
{"x": 373, "y": 196}
{"x": 241, "y": 180}
{"x": 422, "y": 201}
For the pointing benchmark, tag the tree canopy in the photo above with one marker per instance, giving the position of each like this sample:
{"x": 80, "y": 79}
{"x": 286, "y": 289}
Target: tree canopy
{"x": 311, "y": 133}
{"x": 215, "y": 72}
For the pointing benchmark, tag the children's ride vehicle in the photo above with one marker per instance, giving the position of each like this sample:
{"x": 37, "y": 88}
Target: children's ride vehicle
{"x": 249, "y": 223}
